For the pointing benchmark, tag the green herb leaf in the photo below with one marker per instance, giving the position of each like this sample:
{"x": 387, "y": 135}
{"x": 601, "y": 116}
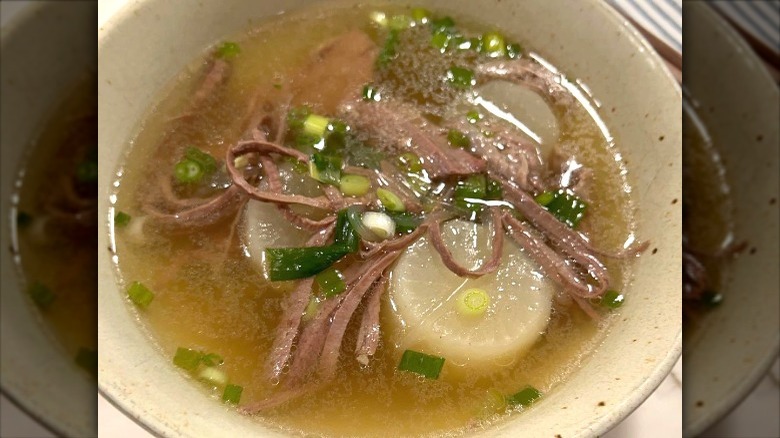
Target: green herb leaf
{"x": 140, "y": 295}
{"x": 187, "y": 359}
{"x": 121, "y": 219}
{"x": 421, "y": 363}
{"x": 232, "y": 394}
{"x": 525, "y": 397}
{"x": 325, "y": 168}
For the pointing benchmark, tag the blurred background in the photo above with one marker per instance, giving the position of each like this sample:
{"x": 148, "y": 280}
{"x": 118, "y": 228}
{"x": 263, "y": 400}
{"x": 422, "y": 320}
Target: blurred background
{"x": 754, "y": 31}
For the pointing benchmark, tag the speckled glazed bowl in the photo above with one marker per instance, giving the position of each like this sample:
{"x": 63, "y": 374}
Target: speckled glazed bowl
{"x": 46, "y": 50}
{"x": 145, "y": 43}
{"x": 737, "y": 342}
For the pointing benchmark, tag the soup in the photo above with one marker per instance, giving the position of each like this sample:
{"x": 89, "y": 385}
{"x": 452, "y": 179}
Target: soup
{"x": 708, "y": 239}
{"x": 329, "y": 220}
{"x": 56, "y": 224}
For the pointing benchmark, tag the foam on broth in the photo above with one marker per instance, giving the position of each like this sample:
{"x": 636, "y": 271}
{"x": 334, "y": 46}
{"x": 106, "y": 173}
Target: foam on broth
{"x": 209, "y": 296}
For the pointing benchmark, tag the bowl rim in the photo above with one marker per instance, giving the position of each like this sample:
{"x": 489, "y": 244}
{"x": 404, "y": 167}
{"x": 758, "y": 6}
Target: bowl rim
{"x": 116, "y": 14}
{"x": 753, "y": 377}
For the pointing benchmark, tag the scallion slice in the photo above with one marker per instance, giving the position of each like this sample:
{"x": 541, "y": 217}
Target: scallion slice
{"x": 315, "y": 125}
{"x": 444, "y": 23}
{"x": 325, "y": 168}
{"x": 441, "y": 40}
{"x": 405, "y": 222}
{"x": 473, "y": 302}
{"x": 389, "y": 50}
{"x": 204, "y": 159}
{"x": 380, "y": 224}
{"x": 121, "y": 219}
{"x": 41, "y": 295}
{"x": 421, "y": 15}
{"x": 525, "y": 397}
{"x": 232, "y": 394}
{"x": 400, "y": 22}
{"x": 474, "y": 116}
{"x": 213, "y": 376}
{"x": 187, "y": 358}
{"x": 212, "y": 360}
{"x": 612, "y": 299}
{"x": 421, "y": 363}
{"x": 513, "y": 50}
{"x": 390, "y": 200}
{"x": 564, "y": 205}
{"x": 371, "y": 93}
{"x": 460, "y": 77}
{"x": 330, "y": 282}
{"x": 354, "y": 185}
{"x": 188, "y": 171}
{"x": 411, "y": 162}
{"x": 458, "y": 139}
{"x": 140, "y": 295}
{"x": 493, "y": 44}
{"x": 228, "y": 49}
{"x": 294, "y": 263}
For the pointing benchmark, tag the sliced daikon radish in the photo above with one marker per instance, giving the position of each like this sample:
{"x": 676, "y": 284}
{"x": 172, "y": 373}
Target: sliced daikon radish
{"x": 424, "y": 311}
{"x": 523, "y": 108}
{"x": 263, "y": 226}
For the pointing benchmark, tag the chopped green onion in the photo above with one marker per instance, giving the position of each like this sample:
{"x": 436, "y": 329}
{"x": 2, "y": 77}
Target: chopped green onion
{"x": 354, "y": 185}
{"x": 294, "y": 263}
{"x": 311, "y": 309}
{"x": 87, "y": 172}
{"x": 325, "y": 168}
{"x": 474, "y": 44}
{"x": 188, "y": 171}
{"x": 513, "y": 50}
{"x": 474, "y": 186}
{"x": 460, "y": 77}
{"x": 187, "y": 359}
{"x": 421, "y": 363}
{"x": 390, "y": 200}
{"x": 315, "y": 125}
{"x": 474, "y": 116}
{"x": 612, "y": 299}
{"x": 87, "y": 358}
{"x": 212, "y": 360}
{"x": 41, "y": 295}
{"x": 525, "y": 397}
{"x": 371, "y": 93}
{"x": 411, "y": 162}
{"x": 400, "y": 22}
{"x": 421, "y": 15}
{"x": 204, "y": 159}
{"x": 23, "y": 219}
{"x": 564, "y": 205}
{"x": 380, "y": 224}
{"x": 296, "y": 116}
{"x": 232, "y": 394}
{"x": 228, "y": 49}
{"x": 444, "y": 23}
{"x": 213, "y": 376}
{"x": 140, "y": 295}
{"x": 345, "y": 233}
{"x": 121, "y": 219}
{"x": 473, "y": 302}
{"x": 389, "y": 50}
{"x": 545, "y": 198}
{"x": 493, "y": 44}
{"x": 330, "y": 282}
{"x": 405, "y": 222}
{"x": 379, "y": 18}
{"x": 493, "y": 191}
{"x": 441, "y": 40}
{"x": 712, "y": 299}
{"x": 277, "y": 86}
{"x": 458, "y": 139}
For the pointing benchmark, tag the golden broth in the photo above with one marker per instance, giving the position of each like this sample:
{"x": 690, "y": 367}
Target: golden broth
{"x": 210, "y": 296}
{"x": 61, "y": 259}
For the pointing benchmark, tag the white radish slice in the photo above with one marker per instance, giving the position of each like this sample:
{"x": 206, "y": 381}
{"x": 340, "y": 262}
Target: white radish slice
{"x": 423, "y": 309}
{"x": 263, "y": 226}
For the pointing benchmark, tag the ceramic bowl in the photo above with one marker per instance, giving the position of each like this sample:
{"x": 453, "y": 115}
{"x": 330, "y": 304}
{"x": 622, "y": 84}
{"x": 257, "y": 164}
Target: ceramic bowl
{"x": 735, "y": 343}
{"x": 142, "y": 48}
{"x": 46, "y": 49}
